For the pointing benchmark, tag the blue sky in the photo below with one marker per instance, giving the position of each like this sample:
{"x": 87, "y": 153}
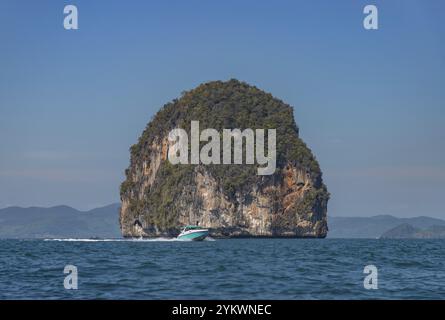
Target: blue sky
{"x": 370, "y": 104}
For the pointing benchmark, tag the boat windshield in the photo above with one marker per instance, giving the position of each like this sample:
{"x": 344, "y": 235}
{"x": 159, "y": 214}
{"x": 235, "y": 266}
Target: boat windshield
{"x": 191, "y": 228}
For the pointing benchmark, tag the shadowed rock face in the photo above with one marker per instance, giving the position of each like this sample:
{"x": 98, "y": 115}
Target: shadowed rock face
{"x": 232, "y": 200}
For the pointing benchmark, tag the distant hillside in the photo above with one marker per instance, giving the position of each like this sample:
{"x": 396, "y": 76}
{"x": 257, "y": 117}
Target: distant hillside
{"x": 374, "y": 227}
{"x": 59, "y": 222}
{"x": 406, "y": 231}
{"x": 66, "y": 222}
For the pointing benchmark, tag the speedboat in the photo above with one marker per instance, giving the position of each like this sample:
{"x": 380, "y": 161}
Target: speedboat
{"x": 193, "y": 233}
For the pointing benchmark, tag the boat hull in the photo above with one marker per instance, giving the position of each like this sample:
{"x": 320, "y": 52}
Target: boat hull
{"x": 195, "y": 236}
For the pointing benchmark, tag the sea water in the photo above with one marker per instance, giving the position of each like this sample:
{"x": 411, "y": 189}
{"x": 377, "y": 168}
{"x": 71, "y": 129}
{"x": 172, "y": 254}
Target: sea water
{"x": 222, "y": 269}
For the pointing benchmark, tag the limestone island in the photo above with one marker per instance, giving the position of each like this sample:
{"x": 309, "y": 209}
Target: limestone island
{"x": 231, "y": 200}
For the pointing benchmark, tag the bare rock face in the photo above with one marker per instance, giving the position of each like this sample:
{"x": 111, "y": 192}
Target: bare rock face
{"x": 158, "y": 198}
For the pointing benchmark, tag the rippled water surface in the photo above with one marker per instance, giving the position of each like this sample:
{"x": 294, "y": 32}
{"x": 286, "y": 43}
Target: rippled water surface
{"x": 223, "y": 269}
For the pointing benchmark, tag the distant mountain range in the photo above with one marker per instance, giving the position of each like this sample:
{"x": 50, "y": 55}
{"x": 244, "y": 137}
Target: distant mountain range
{"x": 59, "y": 222}
{"x": 407, "y": 231}
{"x": 375, "y": 227}
{"x": 67, "y": 222}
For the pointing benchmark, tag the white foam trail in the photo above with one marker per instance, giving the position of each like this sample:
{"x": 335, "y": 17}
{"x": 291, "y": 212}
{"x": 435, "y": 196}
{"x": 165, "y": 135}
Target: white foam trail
{"x": 110, "y": 240}
{"x": 125, "y": 240}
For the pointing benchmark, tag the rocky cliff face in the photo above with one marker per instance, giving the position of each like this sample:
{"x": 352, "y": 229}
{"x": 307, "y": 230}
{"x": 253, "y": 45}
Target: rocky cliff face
{"x": 232, "y": 200}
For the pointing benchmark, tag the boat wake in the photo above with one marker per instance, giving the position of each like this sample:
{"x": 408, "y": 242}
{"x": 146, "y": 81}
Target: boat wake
{"x": 127, "y": 240}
